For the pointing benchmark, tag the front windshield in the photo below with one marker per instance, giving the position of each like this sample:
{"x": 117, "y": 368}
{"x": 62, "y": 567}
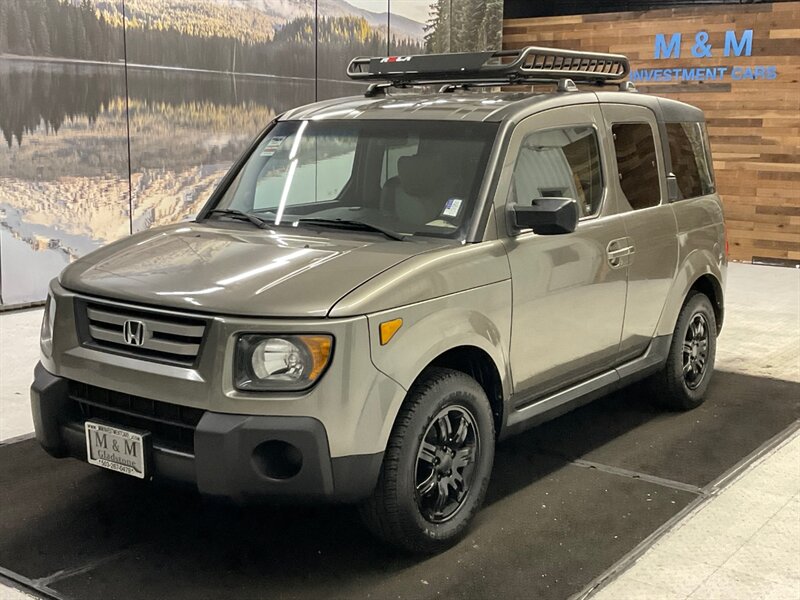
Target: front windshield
{"x": 409, "y": 177}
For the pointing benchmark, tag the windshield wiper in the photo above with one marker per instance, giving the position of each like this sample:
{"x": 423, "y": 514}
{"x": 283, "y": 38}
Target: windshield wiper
{"x": 352, "y": 224}
{"x": 241, "y": 215}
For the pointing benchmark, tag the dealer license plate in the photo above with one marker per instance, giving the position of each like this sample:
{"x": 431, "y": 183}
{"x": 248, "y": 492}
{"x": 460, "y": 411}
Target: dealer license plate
{"x": 116, "y": 449}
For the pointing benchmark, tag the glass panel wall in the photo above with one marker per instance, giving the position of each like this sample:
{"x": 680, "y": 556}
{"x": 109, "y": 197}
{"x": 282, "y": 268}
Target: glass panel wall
{"x": 113, "y": 122}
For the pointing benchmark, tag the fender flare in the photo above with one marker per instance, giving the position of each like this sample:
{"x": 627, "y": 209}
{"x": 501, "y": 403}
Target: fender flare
{"x": 462, "y": 328}
{"x": 699, "y": 263}
{"x": 452, "y": 328}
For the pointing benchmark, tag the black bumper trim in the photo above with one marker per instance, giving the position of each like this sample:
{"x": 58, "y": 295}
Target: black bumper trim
{"x": 49, "y": 405}
{"x": 224, "y": 445}
{"x": 222, "y": 464}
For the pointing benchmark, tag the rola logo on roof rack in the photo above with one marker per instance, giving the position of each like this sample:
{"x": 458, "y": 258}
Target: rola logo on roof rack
{"x": 505, "y": 67}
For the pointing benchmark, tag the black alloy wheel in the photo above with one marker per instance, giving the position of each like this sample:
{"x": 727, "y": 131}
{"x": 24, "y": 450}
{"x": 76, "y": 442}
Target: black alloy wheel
{"x": 446, "y": 463}
{"x": 695, "y": 351}
{"x": 682, "y": 382}
{"x": 436, "y": 466}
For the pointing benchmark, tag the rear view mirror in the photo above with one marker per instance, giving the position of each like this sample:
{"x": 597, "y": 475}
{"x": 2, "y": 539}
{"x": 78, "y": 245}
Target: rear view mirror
{"x": 547, "y": 216}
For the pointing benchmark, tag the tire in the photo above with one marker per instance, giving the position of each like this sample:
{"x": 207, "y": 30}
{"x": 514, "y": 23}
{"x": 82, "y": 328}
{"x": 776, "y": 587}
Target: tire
{"x": 417, "y": 521}
{"x": 680, "y": 385}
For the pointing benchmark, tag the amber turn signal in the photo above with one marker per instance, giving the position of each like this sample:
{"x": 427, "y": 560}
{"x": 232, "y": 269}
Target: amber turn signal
{"x": 388, "y": 329}
{"x": 319, "y": 346}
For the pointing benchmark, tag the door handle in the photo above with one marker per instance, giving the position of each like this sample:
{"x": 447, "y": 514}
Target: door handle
{"x": 620, "y": 252}
{"x": 617, "y": 250}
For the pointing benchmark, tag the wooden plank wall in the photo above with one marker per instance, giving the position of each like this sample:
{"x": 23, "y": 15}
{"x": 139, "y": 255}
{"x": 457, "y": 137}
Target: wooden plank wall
{"x": 754, "y": 125}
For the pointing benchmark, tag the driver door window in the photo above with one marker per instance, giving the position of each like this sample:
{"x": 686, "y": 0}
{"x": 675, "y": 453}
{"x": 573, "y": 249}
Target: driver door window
{"x": 560, "y": 163}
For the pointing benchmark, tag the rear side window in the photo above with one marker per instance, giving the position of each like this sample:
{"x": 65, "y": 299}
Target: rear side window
{"x": 560, "y": 163}
{"x": 636, "y": 160}
{"x": 691, "y": 163}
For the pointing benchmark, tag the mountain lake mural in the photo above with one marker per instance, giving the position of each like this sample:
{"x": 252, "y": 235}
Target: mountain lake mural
{"x": 113, "y": 122}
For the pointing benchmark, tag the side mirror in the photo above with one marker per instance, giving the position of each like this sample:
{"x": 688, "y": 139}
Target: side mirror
{"x": 547, "y": 216}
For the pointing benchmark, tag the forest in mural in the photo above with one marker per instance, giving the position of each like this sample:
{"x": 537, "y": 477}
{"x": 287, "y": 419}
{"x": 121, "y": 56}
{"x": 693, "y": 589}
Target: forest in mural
{"x": 463, "y": 26}
{"x": 112, "y": 121}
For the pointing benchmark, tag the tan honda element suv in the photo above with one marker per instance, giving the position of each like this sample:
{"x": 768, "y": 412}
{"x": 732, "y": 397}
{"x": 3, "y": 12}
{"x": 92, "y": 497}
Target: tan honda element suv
{"x": 384, "y": 286}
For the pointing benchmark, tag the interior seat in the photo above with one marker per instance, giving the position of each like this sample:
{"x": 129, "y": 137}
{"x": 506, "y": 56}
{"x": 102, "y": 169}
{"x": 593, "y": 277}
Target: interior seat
{"x": 424, "y": 183}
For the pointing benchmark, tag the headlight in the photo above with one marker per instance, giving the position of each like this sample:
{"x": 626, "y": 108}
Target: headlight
{"x": 269, "y": 362}
{"x": 48, "y": 320}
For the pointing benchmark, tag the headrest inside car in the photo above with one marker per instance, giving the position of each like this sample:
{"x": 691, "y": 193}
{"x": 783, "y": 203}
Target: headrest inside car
{"x": 420, "y": 175}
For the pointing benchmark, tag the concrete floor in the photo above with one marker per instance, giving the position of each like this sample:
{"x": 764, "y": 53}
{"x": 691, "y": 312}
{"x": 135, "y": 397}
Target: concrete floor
{"x": 761, "y": 333}
{"x": 743, "y": 544}
{"x": 19, "y": 352}
{"x": 12, "y": 593}
{"x": 761, "y": 338}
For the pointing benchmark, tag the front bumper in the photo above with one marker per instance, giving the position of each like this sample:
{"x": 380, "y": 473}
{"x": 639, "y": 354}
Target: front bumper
{"x": 230, "y": 454}
{"x": 355, "y": 402}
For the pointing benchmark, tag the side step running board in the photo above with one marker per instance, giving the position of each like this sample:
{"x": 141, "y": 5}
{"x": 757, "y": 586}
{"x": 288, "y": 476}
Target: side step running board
{"x": 539, "y": 410}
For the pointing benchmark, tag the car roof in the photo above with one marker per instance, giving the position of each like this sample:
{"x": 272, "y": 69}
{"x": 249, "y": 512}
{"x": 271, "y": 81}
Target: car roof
{"x": 479, "y": 106}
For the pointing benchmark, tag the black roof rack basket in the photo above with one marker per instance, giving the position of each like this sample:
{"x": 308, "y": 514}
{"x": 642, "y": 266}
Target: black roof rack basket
{"x": 505, "y": 67}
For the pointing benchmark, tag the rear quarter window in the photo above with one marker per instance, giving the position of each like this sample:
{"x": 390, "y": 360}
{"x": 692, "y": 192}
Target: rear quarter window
{"x": 691, "y": 159}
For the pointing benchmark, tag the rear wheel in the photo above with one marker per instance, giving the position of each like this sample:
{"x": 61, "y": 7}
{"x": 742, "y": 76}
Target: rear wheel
{"x": 437, "y": 464}
{"x": 682, "y": 382}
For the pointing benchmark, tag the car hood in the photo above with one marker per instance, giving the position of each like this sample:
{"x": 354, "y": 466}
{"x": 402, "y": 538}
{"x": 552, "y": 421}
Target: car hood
{"x": 236, "y": 269}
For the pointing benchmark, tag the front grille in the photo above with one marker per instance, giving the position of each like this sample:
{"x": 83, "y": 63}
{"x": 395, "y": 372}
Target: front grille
{"x": 171, "y": 425}
{"x": 157, "y": 336}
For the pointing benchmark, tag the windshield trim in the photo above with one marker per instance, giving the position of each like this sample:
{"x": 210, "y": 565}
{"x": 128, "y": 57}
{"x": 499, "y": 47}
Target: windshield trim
{"x": 478, "y": 229}
{"x": 230, "y": 176}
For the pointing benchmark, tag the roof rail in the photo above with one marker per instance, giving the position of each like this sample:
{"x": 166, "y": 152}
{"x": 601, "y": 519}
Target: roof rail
{"x": 505, "y": 67}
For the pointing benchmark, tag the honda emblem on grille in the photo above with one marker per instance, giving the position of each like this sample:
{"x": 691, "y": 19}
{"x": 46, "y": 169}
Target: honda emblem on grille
{"x": 133, "y": 332}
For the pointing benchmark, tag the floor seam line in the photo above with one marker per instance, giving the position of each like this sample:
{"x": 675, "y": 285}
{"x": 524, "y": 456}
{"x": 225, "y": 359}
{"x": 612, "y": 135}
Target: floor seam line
{"x": 757, "y": 531}
{"x": 30, "y": 586}
{"x": 17, "y": 438}
{"x": 65, "y": 573}
{"x": 702, "y": 583}
{"x": 629, "y": 474}
{"x": 773, "y": 444}
{"x": 662, "y": 481}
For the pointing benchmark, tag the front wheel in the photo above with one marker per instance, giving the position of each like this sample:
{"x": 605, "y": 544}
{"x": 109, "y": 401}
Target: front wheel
{"x": 682, "y": 382}
{"x": 436, "y": 466}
